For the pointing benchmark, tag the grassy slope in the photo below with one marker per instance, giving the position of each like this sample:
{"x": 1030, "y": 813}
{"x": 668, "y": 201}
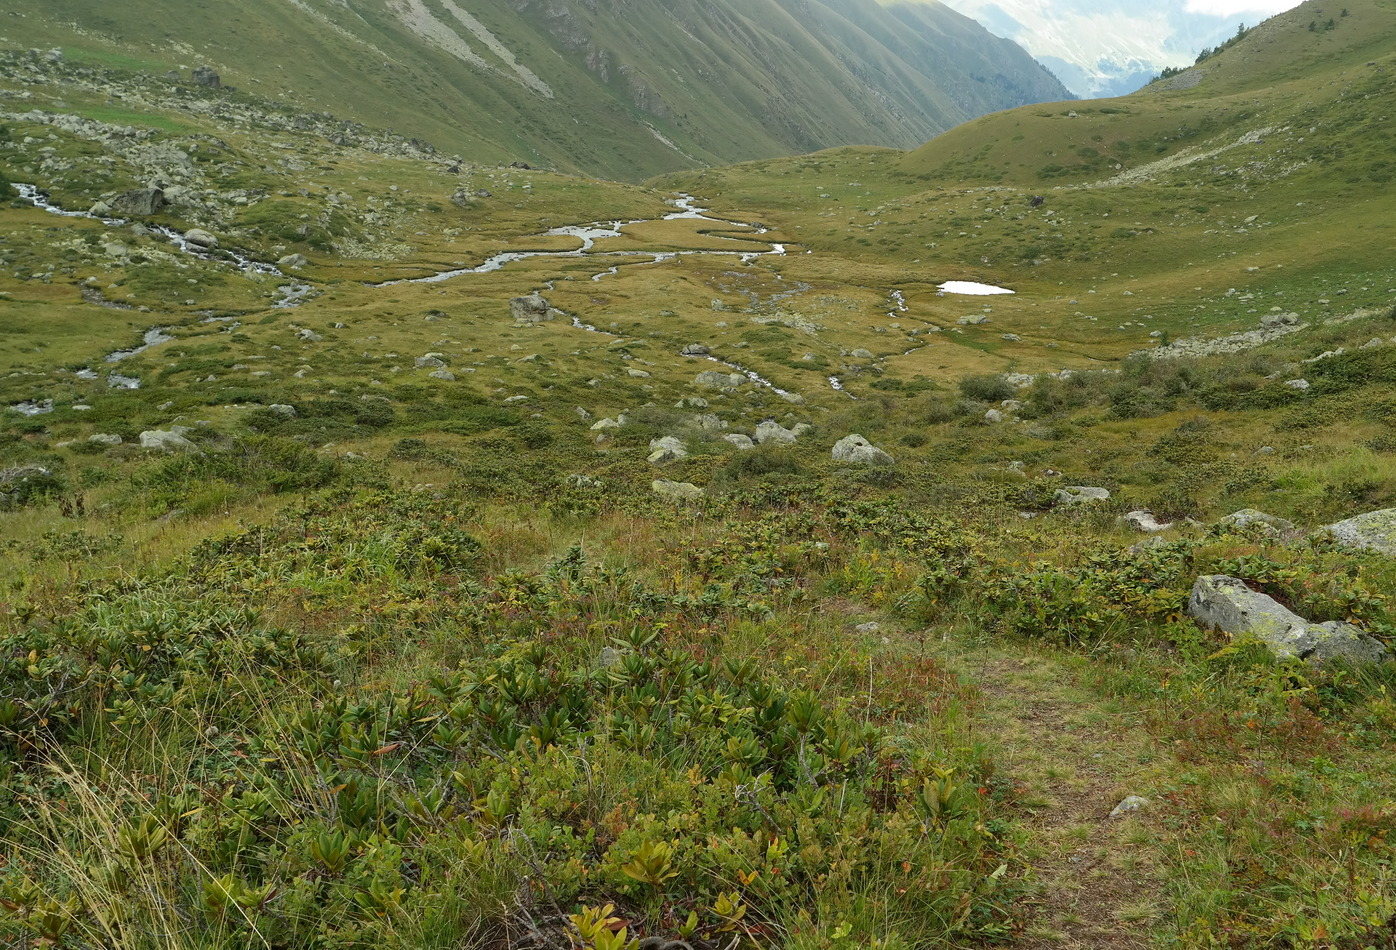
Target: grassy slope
{"x": 720, "y": 81}
{"x": 281, "y": 694}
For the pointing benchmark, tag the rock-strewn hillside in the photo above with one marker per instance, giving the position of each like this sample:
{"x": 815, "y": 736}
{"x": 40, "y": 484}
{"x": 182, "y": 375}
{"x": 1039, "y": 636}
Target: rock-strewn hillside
{"x": 616, "y": 89}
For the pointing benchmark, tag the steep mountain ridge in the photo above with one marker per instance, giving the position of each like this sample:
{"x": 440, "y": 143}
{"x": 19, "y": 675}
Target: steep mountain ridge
{"x": 623, "y": 89}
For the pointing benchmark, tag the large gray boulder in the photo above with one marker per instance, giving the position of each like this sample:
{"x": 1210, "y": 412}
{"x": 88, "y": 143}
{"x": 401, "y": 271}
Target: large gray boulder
{"x": 201, "y": 238}
{"x": 712, "y": 379}
{"x": 167, "y": 440}
{"x": 667, "y": 449}
{"x": 141, "y": 201}
{"x": 740, "y": 441}
{"x": 859, "y": 451}
{"x": 1228, "y": 604}
{"x": 531, "y": 309}
{"x": 206, "y": 76}
{"x": 676, "y": 491}
{"x": 770, "y": 432}
{"x": 1146, "y": 522}
{"x": 1374, "y": 531}
{"x": 1259, "y": 521}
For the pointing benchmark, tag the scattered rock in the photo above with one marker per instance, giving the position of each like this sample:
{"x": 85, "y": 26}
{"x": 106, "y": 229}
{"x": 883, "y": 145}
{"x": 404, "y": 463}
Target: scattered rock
{"x": 430, "y": 360}
{"x": 445, "y": 375}
{"x": 201, "y": 238}
{"x": 694, "y": 349}
{"x": 1300, "y": 384}
{"x": 739, "y": 440}
{"x": 1228, "y": 604}
{"x": 858, "y": 450}
{"x": 1374, "y": 531}
{"x": 292, "y": 262}
{"x": 282, "y": 410}
{"x": 601, "y": 425}
{"x": 994, "y": 416}
{"x": 872, "y": 626}
{"x": 104, "y": 438}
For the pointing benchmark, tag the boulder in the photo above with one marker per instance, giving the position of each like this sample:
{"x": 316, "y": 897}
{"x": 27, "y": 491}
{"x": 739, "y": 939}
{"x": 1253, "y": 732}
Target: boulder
{"x": 104, "y": 438}
{"x": 1251, "y": 519}
{"x": 201, "y": 238}
{"x": 601, "y": 425}
{"x": 770, "y": 432}
{"x": 1374, "y": 531}
{"x": 1229, "y": 605}
{"x": 292, "y": 262}
{"x": 167, "y": 440}
{"x": 694, "y": 349}
{"x": 667, "y": 449}
{"x": 531, "y": 309}
{"x": 282, "y": 410}
{"x": 207, "y": 77}
{"x": 1300, "y": 384}
{"x": 712, "y": 379}
{"x": 430, "y": 361}
{"x": 1075, "y": 495}
{"x": 740, "y": 441}
{"x": 994, "y": 416}
{"x": 676, "y": 491}
{"x": 141, "y": 201}
{"x": 444, "y": 375}
{"x": 1146, "y": 522}
{"x": 1128, "y": 806}
{"x": 858, "y": 450}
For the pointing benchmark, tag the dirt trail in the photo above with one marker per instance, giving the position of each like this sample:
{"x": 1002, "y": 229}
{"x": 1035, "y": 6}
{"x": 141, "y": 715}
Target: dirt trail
{"x": 1073, "y": 756}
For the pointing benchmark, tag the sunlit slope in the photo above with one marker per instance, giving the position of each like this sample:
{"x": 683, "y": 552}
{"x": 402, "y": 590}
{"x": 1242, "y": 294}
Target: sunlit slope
{"x": 1314, "y": 98}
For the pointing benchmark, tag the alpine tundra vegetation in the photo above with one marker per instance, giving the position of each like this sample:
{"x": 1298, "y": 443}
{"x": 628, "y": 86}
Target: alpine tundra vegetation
{"x": 410, "y": 541}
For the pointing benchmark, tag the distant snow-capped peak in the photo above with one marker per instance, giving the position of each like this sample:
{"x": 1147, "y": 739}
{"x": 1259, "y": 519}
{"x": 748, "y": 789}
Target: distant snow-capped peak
{"x": 1112, "y": 47}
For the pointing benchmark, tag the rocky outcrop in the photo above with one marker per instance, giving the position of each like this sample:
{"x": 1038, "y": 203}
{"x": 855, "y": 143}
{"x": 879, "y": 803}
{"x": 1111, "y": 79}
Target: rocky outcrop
{"x": 1228, "y": 604}
{"x": 859, "y": 451}
{"x": 1374, "y": 531}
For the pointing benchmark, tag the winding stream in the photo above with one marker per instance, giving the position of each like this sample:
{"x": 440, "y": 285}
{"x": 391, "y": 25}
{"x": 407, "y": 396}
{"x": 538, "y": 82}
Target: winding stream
{"x": 292, "y": 293}
{"x": 589, "y": 234}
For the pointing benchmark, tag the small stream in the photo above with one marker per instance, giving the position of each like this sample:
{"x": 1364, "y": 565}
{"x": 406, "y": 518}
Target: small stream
{"x": 292, "y": 293}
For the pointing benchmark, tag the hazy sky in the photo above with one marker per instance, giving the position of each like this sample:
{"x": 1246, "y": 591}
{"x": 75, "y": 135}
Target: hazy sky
{"x": 1232, "y": 7}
